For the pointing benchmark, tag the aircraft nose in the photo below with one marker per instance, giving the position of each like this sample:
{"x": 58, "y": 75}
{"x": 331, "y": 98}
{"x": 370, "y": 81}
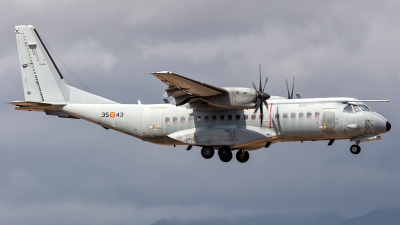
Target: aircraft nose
{"x": 388, "y": 126}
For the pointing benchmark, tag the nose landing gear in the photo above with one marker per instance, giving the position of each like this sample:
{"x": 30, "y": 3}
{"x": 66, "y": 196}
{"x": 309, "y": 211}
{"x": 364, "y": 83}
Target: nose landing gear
{"x": 355, "y": 149}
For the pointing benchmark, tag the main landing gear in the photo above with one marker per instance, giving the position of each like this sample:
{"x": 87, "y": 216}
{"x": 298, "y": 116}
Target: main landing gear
{"x": 242, "y": 155}
{"x": 207, "y": 152}
{"x": 225, "y": 154}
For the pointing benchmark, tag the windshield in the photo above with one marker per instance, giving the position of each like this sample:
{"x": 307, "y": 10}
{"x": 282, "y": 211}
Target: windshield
{"x": 364, "y": 107}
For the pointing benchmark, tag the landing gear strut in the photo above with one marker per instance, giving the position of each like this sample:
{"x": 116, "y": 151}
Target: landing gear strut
{"x": 355, "y": 149}
{"x": 225, "y": 153}
{"x": 242, "y": 155}
{"x": 207, "y": 152}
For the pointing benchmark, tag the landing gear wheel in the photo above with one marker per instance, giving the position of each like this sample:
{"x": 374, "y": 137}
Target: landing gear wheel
{"x": 225, "y": 153}
{"x": 355, "y": 149}
{"x": 242, "y": 156}
{"x": 207, "y": 152}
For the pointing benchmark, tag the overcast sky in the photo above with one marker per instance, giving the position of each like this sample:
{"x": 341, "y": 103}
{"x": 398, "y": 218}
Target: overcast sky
{"x": 62, "y": 171}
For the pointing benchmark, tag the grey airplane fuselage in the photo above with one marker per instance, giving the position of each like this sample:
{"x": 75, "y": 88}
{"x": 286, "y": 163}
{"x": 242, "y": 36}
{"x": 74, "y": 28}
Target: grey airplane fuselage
{"x": 284, "y": 120}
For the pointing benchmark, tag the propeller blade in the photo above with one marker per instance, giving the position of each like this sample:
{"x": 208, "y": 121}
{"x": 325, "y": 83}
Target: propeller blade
{"x": 262, "y": 113}
{"x": 291, "y": 96}
{"x": 254, "y": 86}
{"x": 265, "y": 84}
{"x": 257, "y": 105}
{"x": 259, "y": 68}
{"x": 266, "y": 104}
{"x": 287, "y": 87}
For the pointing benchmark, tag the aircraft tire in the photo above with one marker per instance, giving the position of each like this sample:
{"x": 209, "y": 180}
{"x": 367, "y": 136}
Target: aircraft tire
{"x": 225, "y": 153}
{"x": 355, "y": 149}
{"x": 207, "y": 152}
{"x": 242, "y": 157}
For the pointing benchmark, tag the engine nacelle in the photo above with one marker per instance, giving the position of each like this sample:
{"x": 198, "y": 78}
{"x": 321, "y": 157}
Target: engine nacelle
{"x": 236, "y": 98}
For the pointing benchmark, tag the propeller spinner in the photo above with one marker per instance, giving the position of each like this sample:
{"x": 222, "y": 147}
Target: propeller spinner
{"x": 261, "y": 97}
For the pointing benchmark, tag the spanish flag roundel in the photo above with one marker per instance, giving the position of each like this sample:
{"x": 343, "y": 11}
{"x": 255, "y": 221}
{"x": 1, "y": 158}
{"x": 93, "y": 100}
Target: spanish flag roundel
{"x": 112, "y": 114}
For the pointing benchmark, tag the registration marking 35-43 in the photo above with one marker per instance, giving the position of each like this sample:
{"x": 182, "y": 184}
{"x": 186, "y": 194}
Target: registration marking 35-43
{"x": 112, "y": 114}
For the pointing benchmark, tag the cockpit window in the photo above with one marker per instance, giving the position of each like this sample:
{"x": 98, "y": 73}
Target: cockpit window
{"x": 365, "y": 108}
{"x": 356, "y": 108}
{"x": 348, "y": 109}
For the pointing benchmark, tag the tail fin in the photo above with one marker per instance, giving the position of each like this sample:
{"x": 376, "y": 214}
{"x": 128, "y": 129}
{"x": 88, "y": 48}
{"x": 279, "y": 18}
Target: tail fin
{"x": 42, "y": 80}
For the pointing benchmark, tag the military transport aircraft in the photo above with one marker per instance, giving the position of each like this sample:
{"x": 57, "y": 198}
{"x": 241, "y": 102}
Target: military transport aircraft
{"x": 214, "y": 118}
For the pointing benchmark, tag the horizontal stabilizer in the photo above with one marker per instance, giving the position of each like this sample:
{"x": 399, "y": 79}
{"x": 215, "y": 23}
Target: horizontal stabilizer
{"x": 35, "y": 106}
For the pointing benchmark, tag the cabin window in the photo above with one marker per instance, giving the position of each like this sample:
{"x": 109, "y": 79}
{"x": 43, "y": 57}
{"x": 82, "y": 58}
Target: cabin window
{"x": 175, "y": 119}
{"x": 316, "y": 114}
{"x": 237, "y": 117}
{"x": 229, "y": 117}
{"x": 191, "y": 119}
{"x": 309, "y": 115}
{"x": 356, "y": 108}
{"x": 301, "y": 115}
{"x": 277, "y": 116}
{"x": 253, "y": 117}
{"x": 198, "y": 118}
{"x": 245, "y": 117}
{"x": 285, "y": 115}
{"x": 293, "y": 115}
{"x": 182, "y": 119}
{"x": 221, "y": 117}
{"x": 167, "y": 120}
{"x": 206, "y": 118}
{"x": 214, "y": 118}
{"x": 348, "y": 109}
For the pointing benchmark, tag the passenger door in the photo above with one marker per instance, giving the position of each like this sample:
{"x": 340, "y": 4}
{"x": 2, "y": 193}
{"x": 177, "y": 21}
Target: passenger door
{"x": 156, "y": 122}
{"x": 328, "y": 121}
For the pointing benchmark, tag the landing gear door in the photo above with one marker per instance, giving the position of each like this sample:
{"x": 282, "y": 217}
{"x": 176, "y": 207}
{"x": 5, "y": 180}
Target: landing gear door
{"x": 328, "y": 122}
{"x": 156, "y": 122}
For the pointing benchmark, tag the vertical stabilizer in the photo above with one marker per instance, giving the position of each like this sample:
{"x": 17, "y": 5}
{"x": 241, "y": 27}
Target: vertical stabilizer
{"x": 41, "y": 78}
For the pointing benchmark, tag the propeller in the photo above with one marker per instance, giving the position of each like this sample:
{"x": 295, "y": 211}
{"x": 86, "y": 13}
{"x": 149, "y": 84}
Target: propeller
{"x": 261, "y": 97}
{"x": 290, "y": 96}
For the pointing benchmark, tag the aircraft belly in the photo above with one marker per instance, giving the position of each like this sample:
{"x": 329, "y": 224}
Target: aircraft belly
{"x": 215, "y": 136}
{"x": 229, "y": 135}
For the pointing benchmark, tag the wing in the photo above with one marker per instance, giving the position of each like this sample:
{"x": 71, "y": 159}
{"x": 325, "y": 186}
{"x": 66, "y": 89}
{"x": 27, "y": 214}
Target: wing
{"x": 184, "y": 89}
